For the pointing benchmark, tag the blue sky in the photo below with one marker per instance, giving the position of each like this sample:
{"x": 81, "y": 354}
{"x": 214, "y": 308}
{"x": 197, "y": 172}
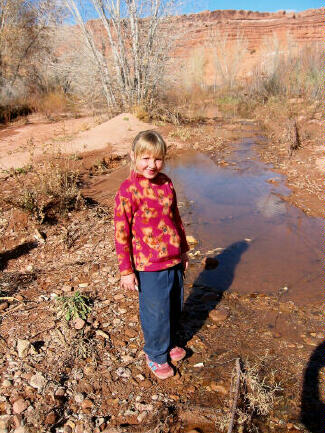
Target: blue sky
{"x": 259, "y": 5}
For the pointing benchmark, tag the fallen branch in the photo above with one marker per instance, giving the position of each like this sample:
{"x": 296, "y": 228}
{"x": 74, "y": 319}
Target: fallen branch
{"x": 8, "y": 298}
{"x": 234, "y": 403}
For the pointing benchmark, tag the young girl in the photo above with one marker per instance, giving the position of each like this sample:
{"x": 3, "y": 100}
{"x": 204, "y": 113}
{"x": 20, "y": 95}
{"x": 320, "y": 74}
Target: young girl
{"x": 151, "y": 249}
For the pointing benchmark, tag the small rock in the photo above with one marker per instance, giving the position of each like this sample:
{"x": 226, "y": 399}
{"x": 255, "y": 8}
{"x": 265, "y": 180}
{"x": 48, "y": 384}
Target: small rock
{"x": 198, "y": 365}
{"x": 4, "y": 306}
{"x": 67, "y": 288}
{"x": 191, "y": 240}
{"x": 6, "y": 383}
{"x": 131, "y": 333}
{"x": 140, "y": 377}
{"x": 218, "y": 315}
{"x": 123, "y": 372}
{"x": 83, "y": 285}
{"x": 142, "y": 416}
{"x": 118, "y": 297}
{"x": 22, "y": 348}
{"x": 29, "y": 268}
{"x": 21, "y": 429}
{"x": 218, "y": 388}
{"x": 38, "y": 381}
{"x": 79, "y": 398}
{"x": 87, "y": 405}
{"x": 51, "y": 418}
{"x": 20, "y": 405}
{"x": 4, "y": 423}
{"x": 154, "y": 397}
{"x": 78, "y": 323}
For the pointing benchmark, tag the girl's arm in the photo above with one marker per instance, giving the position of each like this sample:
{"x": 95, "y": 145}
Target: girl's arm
{"x": 122, "y": 222}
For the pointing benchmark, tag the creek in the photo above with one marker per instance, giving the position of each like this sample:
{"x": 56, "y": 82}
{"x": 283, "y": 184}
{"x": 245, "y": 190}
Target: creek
{"x": 238, "y": 214}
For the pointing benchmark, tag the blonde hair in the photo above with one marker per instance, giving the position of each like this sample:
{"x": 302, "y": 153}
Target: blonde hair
{"x": 148, "y": 141}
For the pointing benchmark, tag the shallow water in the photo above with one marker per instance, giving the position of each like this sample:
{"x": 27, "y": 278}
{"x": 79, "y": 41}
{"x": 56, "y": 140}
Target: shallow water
{"x": 265, "y": 244}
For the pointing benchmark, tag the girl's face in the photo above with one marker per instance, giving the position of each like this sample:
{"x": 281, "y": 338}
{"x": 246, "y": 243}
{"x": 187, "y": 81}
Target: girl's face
{"x": 148, "y": 165}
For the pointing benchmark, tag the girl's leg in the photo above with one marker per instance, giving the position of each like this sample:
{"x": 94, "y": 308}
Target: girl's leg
{"x": 155, "y": 290}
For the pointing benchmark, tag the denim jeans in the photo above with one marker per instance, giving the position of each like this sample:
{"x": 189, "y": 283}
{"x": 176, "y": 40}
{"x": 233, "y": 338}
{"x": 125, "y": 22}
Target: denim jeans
{"x": 160, "y": 305}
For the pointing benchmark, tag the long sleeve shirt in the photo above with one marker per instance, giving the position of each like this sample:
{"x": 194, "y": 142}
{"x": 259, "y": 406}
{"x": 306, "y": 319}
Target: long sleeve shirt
{"x": 149, "y": 234}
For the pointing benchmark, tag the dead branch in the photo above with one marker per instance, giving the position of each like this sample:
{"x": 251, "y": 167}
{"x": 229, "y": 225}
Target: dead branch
{"x": 235, "y": 400}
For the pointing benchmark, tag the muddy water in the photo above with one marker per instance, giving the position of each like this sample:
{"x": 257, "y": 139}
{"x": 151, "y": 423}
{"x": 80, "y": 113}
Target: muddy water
{"x": 262, "y": 243}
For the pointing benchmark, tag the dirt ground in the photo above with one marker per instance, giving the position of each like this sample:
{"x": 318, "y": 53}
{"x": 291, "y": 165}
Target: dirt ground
{"x": 90, "y": 375}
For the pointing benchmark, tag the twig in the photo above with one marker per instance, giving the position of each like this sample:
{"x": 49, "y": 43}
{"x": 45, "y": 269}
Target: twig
{"x": 8, "y": 298}
{"x": 234, "y": 403}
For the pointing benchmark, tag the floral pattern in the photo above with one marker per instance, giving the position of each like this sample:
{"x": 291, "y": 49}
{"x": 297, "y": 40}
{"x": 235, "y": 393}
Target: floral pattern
{"x": 149, "y": 234}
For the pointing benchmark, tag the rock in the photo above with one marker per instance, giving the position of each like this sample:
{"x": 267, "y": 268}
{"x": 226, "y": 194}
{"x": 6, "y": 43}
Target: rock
{"x": 51, "y": 418}
{"x": 67, "y": 288}
{"x": 142, "y": 416}
{"x": 131, "y": 333}
{"x": 4, "y": 306}
{"x": 83, "y": 285}
{"x": 123, "y": 372}
{"x": 20, "y": 405}
{"x": 78, "y": 323}
{"x": 218, "y": 388}
{"x": 38, "y": 381}
{"x": 4, "y": 423}
{"x": 6, "y": 383}
{"x": 21, "y": 429}
{"x": 23, "y": 348}
{"x": 140, "y": 377}
{"x": 79, "y": 398}
{"x": 218, "y": 315}
{"x": 87, "y": 405}
{"x": 191, "y": 240}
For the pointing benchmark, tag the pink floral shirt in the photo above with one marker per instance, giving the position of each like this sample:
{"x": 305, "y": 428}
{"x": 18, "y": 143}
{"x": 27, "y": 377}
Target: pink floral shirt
{"x": 149, "y": 234}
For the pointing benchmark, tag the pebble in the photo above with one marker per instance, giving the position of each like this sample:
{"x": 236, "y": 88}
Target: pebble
{"x": 51, "y": 418}
{"x": 154, "y": 397}
{"x": 6, "y": 383}
{"x": 218, "y": 388}
{"x": 123, "y": 372}
{"x": 20, "y": 405}
{"x": 142, "y": 416}
{"x": 140, "y": 377}
{"x": 191, "y": 240}
{"x": 79, "y": 398}
{"x": 23, "y": 348}
{"x": 4, "y": 306}
{"x": 38, "y": 381}
{"x": 218, "y": 315}
{"x": 83, "y": 285}
{"x": 78, "y": 323}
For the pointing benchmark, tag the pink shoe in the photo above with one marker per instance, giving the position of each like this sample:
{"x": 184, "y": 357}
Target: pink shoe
{"x": 162, "y": 371}
{"x": 177, "y": 353}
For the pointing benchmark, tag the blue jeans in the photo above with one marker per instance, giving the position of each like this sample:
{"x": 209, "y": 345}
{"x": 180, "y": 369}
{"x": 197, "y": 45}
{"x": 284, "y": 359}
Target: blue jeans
{"x": 160, "y": 305}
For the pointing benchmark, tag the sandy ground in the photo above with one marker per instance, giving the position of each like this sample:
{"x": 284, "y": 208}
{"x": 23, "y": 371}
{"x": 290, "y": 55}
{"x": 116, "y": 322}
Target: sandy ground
{"x": 89, "y": 376}
{"x": 22, "y": 145}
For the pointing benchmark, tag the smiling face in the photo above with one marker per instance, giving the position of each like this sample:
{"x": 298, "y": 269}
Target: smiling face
{"x": 148, "y": 165}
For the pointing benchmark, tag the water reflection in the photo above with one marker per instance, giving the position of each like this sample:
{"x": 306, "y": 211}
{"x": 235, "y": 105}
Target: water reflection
{"x": 238, "y": 202}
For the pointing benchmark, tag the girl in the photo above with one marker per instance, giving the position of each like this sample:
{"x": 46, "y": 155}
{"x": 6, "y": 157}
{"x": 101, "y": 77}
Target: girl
{"x": 151, "y": 249}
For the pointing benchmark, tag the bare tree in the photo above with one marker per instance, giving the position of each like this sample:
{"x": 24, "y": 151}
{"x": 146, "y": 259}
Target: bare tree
{"x": 25, "y": 26}
{"x": 132, "y": 52}
{"x": 228, "y": 55}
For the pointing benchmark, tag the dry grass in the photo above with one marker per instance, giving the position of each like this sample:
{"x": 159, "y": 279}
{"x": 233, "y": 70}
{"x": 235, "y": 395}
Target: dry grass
{"x": 48, "y": 190}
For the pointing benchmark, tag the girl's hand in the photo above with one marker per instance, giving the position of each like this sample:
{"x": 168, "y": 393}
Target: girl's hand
{"x": 185, "y": 261}
{"x": 129, "y": 282}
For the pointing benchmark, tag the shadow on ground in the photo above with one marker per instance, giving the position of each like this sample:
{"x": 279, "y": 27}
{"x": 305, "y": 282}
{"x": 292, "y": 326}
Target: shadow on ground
{"x": 312, "y": 407}
{"x": 207, "y": 290}
{"x": 15, "y": 253}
